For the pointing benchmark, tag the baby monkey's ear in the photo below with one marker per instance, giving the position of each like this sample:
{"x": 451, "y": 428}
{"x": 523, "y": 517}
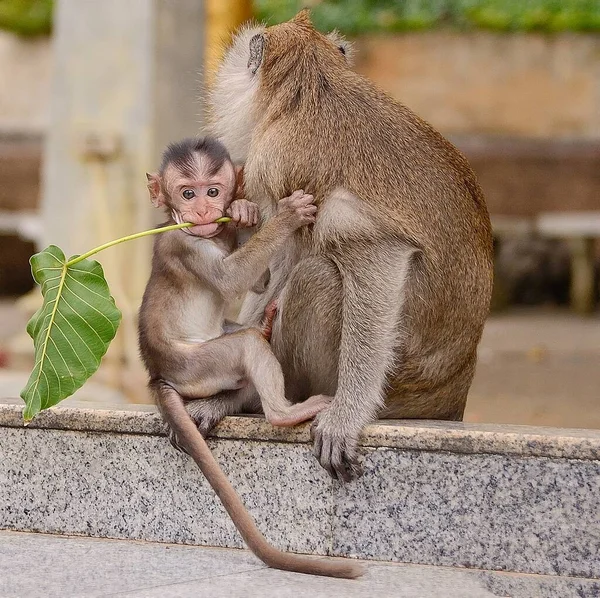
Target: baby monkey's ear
{"x": 154, "y": 188}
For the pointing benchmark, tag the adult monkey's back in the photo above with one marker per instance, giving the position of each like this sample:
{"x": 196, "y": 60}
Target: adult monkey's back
{"x": 383, "y": 303}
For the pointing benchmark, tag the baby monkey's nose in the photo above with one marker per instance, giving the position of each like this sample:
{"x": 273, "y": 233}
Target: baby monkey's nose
{"x": 204, "y": 214}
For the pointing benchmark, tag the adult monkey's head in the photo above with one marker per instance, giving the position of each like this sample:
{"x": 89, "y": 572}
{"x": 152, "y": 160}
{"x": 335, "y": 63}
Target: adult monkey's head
{"x": 267, "y": 68}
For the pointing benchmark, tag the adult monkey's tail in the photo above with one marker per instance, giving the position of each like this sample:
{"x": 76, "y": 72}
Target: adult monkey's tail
{"x": 190, "y": 439}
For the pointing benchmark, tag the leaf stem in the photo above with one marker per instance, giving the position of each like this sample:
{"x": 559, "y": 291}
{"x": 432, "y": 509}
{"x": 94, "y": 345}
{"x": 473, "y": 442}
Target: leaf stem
{"x": 146, "y": 233}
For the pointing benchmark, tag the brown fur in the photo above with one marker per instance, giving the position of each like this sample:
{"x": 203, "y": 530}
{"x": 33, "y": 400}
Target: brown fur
{"x": 396, "y": 274}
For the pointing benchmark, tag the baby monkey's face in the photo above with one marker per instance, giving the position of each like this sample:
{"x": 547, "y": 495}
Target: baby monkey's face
{"x": 195, "y": 192}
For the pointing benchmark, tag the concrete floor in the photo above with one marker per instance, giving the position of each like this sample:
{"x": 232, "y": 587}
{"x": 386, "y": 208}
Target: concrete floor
{"x": 538, "y": 367}
{"x": 44, "y": 566}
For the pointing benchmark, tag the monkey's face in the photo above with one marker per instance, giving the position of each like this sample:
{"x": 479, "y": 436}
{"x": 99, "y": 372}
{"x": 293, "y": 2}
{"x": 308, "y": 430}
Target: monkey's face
{"x": 197, "y": 195}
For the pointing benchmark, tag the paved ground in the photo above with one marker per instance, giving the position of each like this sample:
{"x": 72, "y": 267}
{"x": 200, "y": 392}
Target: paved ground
{"x": 37, "y": 565}
{"x": 537, "y": 367}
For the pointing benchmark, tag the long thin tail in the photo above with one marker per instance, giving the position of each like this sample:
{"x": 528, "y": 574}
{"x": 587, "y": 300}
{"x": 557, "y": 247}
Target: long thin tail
{"x": 173, "y": 410}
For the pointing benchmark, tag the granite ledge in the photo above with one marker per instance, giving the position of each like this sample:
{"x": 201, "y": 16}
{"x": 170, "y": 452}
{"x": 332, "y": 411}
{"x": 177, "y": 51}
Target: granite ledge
{"x": 422, "y": 435}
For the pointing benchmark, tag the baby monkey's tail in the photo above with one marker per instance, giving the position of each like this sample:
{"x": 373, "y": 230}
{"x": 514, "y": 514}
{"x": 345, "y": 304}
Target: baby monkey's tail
{"x": 173, "y": 411}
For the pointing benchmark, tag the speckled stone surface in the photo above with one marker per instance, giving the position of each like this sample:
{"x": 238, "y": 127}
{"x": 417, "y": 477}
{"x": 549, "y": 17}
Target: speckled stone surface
{"x": 486, "y": 497}
{"x": 126, "y": 486}
{"x": 535, "y": 515}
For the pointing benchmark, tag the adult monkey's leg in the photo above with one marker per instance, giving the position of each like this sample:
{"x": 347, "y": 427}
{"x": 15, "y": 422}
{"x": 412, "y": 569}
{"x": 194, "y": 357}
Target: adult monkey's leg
{"x": 339, "y": 331}
{"x": 306, "y": 333}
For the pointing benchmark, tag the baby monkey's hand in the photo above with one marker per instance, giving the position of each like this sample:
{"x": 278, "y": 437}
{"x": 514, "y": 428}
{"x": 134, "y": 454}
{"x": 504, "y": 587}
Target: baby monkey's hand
{"x": 298, "y": 209}
{"x": 243, "y": 213}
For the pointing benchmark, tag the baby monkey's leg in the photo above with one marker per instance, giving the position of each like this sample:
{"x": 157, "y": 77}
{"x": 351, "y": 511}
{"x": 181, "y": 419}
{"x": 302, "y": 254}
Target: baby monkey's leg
{"x": 265, "y": 374}
{"x": 243, "y": 358}
{"x": 300, "y": 412}
{"x": 294, "y": 413}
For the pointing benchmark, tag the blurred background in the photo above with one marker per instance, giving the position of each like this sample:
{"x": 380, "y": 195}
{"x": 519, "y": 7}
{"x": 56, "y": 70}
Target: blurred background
{"x": 90, "y": 92}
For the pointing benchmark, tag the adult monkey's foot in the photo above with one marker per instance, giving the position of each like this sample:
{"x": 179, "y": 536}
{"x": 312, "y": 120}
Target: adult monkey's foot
{"x": 336, "y": 446}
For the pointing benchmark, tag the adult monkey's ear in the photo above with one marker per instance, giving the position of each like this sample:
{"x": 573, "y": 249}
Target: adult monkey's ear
{"x": 257, "y": 49}
{"x": 342, "y": 44}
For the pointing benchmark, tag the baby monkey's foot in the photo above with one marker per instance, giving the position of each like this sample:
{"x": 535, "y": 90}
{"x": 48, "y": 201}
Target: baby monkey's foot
{"x": 173, "y": 439}
{"x": 205, "y": 413}
{"x": 300, "y": 412}
{"x": 204, "y": 416}
{"x": 266, "y": 326}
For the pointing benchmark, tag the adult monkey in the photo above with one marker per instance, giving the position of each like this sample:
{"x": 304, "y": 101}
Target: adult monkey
{"x": 383, "y": 303}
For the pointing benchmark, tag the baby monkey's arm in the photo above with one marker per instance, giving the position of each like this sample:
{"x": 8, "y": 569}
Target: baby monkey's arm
{"x": 236, "y": 273}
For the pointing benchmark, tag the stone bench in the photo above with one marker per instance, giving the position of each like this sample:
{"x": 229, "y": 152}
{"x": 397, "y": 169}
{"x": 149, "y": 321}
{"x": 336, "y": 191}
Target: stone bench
{"x": 508, "y": 498}
{"x": 579, "y": 229}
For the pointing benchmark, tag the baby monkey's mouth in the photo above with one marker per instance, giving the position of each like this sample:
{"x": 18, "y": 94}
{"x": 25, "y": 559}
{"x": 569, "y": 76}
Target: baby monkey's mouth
{"x": 204, "y": 230}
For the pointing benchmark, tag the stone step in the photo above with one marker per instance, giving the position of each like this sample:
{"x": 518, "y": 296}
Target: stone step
{"x": 508, "y": 498}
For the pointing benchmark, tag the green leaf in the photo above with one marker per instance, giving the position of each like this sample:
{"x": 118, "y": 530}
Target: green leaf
{"x": 78, "y": 320}
{"x": 72, "y": 330}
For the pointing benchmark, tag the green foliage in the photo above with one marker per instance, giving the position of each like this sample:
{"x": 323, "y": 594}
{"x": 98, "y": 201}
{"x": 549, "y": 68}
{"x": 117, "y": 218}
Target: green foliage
{"x": 354, "y": 17}
{"x": 72, "y": 330}
{"x": 26, "y": 17}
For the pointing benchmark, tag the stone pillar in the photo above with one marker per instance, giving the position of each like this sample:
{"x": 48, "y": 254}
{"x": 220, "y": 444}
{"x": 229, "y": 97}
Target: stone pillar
{"x": 582, "y": 274}
{"x": 127, "y": 80}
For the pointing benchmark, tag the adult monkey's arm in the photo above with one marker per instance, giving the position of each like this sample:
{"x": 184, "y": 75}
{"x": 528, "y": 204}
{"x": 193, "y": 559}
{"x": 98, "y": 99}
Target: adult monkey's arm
{"x": 374, "y": 279}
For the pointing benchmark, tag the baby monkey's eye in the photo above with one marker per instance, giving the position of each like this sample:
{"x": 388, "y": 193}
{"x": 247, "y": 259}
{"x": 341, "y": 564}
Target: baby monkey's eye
{"x": 212, "y": 192}
{"x": 188, "y": 194}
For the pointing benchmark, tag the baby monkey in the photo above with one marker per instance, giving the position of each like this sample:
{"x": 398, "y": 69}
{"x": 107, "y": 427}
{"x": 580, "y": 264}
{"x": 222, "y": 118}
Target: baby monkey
{"x": 189, "y": 350}
{"x": 185, "y": 341}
